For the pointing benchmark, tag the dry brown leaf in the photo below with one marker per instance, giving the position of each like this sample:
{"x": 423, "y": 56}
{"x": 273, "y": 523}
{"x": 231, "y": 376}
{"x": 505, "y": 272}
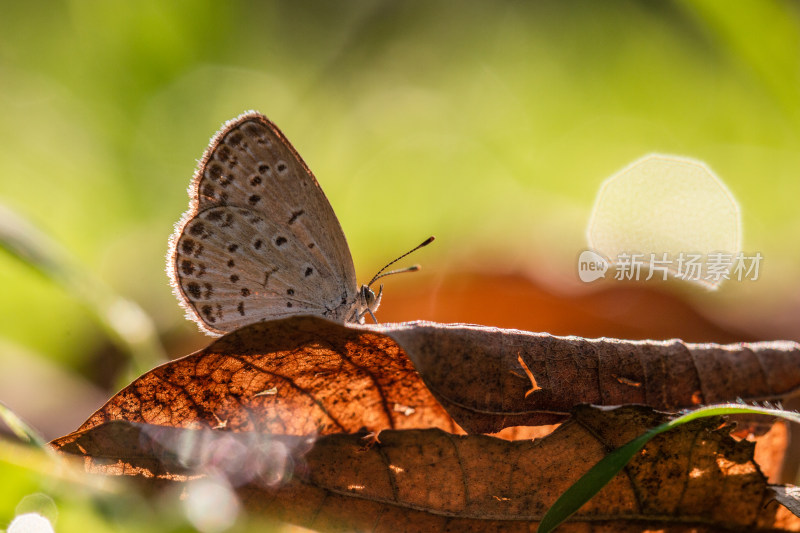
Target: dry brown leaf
{"x": 788, "y": 496}
{"x": 695, "y": 477}
{"x": 305, "y": 375}
{"x": 297, "y": 376}
{"x": 772, "y": 455}
{"x": 491, "y": 378}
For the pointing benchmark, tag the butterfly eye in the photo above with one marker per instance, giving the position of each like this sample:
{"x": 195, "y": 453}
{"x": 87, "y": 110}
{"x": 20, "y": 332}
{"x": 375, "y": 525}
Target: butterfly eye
{"x": 367, "y": 295}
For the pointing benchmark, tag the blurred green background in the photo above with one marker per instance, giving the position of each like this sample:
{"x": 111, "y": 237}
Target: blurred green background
{"x": 488, "y": 124}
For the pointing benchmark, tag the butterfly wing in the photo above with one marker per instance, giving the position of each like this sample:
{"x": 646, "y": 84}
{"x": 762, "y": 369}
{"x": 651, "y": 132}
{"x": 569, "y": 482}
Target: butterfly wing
{"x": 260, "y": 239}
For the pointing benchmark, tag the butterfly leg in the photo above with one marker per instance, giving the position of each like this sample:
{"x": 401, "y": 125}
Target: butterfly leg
{"x": 360, "y": 316}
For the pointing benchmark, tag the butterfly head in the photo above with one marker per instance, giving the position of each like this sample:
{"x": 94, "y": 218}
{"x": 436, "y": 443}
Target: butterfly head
{"x": 368, "y": 301}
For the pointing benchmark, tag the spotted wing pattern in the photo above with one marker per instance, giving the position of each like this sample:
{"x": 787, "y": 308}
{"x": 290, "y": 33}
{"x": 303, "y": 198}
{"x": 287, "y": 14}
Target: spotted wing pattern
{"x": 260, "y": 239}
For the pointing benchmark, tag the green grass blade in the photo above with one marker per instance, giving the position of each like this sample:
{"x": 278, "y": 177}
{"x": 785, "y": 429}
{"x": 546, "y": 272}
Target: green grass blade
{"x": 600, "y": 474}
{"x": 125, "y": 323}
{"x": 20, "y": 428}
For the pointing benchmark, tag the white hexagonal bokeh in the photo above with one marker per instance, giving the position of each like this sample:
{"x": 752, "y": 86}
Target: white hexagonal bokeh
{"x": 665, "y": 204}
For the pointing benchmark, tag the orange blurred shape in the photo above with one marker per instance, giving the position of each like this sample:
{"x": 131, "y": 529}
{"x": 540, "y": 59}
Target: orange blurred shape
{"x": 625, "y": 311}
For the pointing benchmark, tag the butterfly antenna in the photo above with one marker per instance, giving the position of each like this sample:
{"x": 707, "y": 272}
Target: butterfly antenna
{"x": 412, "y": 268}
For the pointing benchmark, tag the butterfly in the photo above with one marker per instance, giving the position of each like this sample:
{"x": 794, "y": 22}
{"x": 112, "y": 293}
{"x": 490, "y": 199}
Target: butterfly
{"x": 260, "y": 241}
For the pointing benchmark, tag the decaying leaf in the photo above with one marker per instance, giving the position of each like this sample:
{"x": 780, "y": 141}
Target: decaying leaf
{"x": 491, "y": 378}
{"x": 297, "y": 376}
{"x": 694, "y": 478}
{"x": 788, "y": 496}
{"x": 305, "y": 375}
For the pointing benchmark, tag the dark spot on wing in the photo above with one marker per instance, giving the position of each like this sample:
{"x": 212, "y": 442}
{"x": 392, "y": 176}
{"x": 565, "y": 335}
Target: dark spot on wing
{"x": 197, "y": 229}
{"x": 256, "y": 130}
{"x": 208, "y": 313}
{"x": 223, "y": 153}
{"x": 215, "y": 171}
{"x": 187, "y": 267}
{"x": 267, "y": 274}
{"x": 194, "y": 290}
{"x": 280, "y": 241}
